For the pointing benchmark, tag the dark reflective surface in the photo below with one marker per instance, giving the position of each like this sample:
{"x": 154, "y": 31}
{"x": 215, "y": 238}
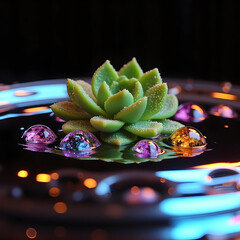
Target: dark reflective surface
{"x": 56, "y": 197}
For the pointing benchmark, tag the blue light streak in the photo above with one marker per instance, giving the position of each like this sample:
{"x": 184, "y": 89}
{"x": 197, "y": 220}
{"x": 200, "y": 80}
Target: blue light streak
{"x": 189, "y": 206}
{"x": 43, "y": 94}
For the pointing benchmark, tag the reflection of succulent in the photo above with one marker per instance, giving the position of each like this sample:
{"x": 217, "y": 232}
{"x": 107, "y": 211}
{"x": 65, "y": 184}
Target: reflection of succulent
{"x": 121, "y": 105}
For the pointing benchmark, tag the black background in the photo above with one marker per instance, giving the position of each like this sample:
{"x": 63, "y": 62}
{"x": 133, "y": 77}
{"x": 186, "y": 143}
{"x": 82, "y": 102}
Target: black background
{"x": 57, "y": 39}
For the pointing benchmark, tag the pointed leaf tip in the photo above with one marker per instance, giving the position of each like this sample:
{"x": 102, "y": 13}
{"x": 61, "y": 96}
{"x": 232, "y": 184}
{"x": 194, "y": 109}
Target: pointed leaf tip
{"x": 131, "y": 70}
{"x": 106, "y": 73}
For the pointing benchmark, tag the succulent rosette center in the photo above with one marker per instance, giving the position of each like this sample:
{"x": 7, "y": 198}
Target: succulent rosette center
{"x": 120, "y": 105}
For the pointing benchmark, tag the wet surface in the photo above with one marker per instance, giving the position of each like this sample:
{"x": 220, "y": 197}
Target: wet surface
{"x": 52, "y": 193}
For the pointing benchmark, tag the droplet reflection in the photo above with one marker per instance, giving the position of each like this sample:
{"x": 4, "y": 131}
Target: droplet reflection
{"x": 190, "y": 112}
{"x": 223, "y": 111}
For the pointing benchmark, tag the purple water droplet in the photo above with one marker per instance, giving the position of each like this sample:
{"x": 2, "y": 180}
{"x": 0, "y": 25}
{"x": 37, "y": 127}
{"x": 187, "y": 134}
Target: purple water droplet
{"x": 147, "y": 149}
{"x": 223, "y": 111}
{"x": 39, "y": 134}
{"x": 190, "y": 112}
{"x": 79, "y": 143}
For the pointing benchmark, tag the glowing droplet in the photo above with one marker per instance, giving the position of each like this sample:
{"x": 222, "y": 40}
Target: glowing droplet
{"x": 147, "y": 149}
{"x": 39, "y": 134}
{"x": 188, "y": 137}
{"x": 79, "y": 143}
{"x": 223, "y": 111}
{"x": 190, "y": 112}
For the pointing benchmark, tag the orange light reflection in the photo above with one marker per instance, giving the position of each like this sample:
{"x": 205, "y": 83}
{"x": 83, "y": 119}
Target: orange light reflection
{"x": 148, "y": 193}
{"x": 226, "y": 96}
{"x": 35, "y": 109}
{"x": 22, "y": 93}
{"x": 31, "y": 233}
{"x": 43, "y": 177}
{"x": 60, "y": 207}
{"x": 90, "y": 183}
{"x": 22, "y": 174}
{"x": 54, "y": 192}
{"x": 135, "y": 190}
{"x": 217, "y": 165}
{"x": 2, "y": 103}
{"x": 55, "y": 176}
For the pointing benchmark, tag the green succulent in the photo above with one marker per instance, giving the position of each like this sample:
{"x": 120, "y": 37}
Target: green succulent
{"x": 120, "y": 105}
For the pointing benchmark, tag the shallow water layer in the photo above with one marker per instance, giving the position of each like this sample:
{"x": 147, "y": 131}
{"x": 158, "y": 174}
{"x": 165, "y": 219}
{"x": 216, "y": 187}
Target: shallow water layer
{"x": 63, "y": 190}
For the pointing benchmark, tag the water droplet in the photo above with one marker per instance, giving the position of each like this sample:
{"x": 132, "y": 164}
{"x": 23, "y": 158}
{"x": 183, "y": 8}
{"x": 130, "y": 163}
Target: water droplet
{"x": 222, "y": 180}
{"x": 79, "y": 143}
{"x": 190, "y": 112}
{"x": 223, "y": 111}
{"x": 188, "y": 137}
{"x": 147, "y": 149}
{"x": 39, "y": 134}
{"x": 222, "y": 172}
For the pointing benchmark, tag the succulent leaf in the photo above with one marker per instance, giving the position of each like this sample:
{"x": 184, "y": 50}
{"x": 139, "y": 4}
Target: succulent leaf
{"x": 120, "y": 78}
{"x": 128, "y": 84}
{"x": 106, "y": 125}
{"x": 169, "y": 108}
{"x": 170, "y": 126}
{"x": 120, "y": 105}
{"x": 120, "y": 137}
{"x": 86, "y": 102}
{"x": 104, "y": 73}
{"x": 70, "y": 86}
{"x": 118, "y": 101}
{"x": 114, "y": 87}
{"x": 132, "y": 113}
{"x": 156, "y": 98}
{"x": 137, "y": 91}
{"x": 69, "y": 111}
{"x": 78, "y": 124}
{"x": 104, "y": 93}
{"x": 145, "y": 129}
{"x": 131, "y": 69}
{"x": 150, "y": 78}
{"x": 87, "y": 88}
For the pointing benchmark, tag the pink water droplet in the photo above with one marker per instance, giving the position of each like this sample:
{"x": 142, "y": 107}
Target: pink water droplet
{"x": 147, "y": 149}
{"x": 223, "y": 111}
{"x": 39, "y": 134}
{"x": 190, "y": 112}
